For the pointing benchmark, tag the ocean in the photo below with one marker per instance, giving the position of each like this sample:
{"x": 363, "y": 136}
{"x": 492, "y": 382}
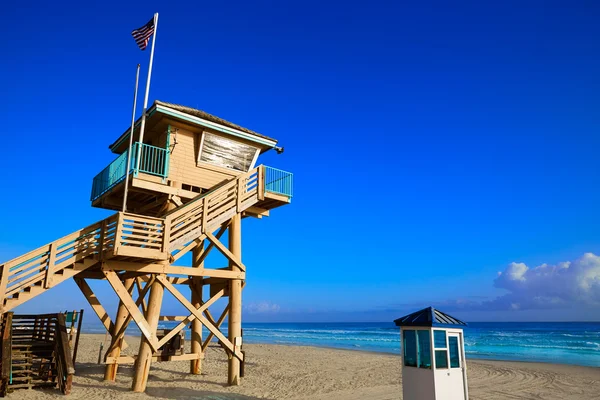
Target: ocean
{"x": 575, "y": 343}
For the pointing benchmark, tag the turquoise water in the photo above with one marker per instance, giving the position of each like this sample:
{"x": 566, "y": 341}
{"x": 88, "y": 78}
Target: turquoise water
{"x": 554, "y": 342}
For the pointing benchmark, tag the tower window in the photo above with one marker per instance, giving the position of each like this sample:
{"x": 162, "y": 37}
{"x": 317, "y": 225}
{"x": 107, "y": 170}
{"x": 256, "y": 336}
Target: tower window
{"x": 227, "y": 153}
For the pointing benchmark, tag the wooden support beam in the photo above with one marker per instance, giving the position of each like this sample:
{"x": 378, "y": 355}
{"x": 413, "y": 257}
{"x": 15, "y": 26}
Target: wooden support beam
{"x": 147, "y": 347}
{"x": 131, "y": 360}
{"x": 138, "y": 283}
{"x": 174, "y": 270}
{"x": 199, "y": 315}
{"x": 133, "y": 309}
{"x": 210, "y": 246}
{"x": 230, "y": 256}
{"x": 51, "y": 266}
{"x": 217, "y": 324}
{"x": 141, "y": 299}
{"x": 196, "y": 331}
{"x": 234, "y": 323}
{"x": 96, "y": 306}
{"x": 190, "y": 246}
{"x": 114, "y": 350}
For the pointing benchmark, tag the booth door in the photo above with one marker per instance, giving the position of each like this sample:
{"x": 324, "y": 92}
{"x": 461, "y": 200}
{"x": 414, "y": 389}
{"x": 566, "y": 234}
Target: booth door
{"x": 450, "y": 380}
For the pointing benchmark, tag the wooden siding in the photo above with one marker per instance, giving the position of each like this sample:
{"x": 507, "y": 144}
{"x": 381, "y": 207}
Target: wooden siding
{"x": 183, "y": 167}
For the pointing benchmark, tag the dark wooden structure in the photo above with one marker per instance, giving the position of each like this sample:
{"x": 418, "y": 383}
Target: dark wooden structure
{"x": 35, "y": 353}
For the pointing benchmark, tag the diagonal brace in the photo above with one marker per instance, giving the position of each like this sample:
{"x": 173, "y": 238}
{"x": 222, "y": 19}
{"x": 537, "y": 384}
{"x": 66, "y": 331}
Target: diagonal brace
{"x": 199, "y": 315}
{"x": 133, "y": 309}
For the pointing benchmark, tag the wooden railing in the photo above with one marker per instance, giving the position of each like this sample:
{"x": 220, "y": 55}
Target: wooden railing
{"x": 190, "y": 221}
{"x": 39, "y": 267}
{"x": 138, "y": 236}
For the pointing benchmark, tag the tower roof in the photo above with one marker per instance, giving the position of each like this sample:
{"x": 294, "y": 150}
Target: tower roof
{"x": 430, "y": 317}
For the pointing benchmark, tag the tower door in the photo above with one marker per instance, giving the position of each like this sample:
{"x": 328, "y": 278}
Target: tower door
{"x": 449, "y": 373}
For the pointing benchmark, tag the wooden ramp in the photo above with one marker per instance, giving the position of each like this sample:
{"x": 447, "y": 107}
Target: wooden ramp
{"x": 125, "y": 240}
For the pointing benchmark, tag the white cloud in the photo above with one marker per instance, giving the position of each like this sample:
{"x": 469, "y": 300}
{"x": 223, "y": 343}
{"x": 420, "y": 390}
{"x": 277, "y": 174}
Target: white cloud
{"x": 263, "y": 307}
{"x": 549, "y": 286}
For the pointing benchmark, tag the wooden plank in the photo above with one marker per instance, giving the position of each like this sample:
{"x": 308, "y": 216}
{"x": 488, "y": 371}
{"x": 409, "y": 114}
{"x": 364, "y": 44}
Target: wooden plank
{"x": 139, "y": 252}
{"x": 230, "y": 256}
{"x": 138, "y": 283}
{"x": 173, "y": 270}
{"x": 204, "y": 214}
{"x": 240, "y": 193}
{"x": 131, "y": 360}
{"x": 128, "y": 302}
{"x": 199, "y": 315}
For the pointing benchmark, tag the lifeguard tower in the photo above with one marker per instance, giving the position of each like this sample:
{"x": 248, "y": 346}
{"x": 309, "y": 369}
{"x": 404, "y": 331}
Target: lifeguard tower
{"x": 193, "y": 178}
{"x": 438, "y": 372}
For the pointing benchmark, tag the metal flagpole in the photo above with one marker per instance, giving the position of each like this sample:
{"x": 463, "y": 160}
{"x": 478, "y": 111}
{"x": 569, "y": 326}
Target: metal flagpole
{"x": 143, "y": 123}
{"x": 137, "y": 79}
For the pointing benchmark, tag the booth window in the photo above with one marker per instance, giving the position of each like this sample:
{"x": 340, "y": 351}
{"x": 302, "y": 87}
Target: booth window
{"x": 410, "y": 348}
{"x": 424, "y": 349}
{"x": 454, "y": 355}
{"x": 227, "y": 153}
{"x": 417, "y": 348}
{"x": 441, "y": 355}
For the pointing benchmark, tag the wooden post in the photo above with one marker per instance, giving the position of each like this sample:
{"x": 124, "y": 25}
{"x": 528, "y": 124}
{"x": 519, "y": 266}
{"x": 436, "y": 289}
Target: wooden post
{"x": 235, "y": 300}
{"x": 110, "y": 372}
{"x": 144, "y": 358}
{"x": 196, "y": 289}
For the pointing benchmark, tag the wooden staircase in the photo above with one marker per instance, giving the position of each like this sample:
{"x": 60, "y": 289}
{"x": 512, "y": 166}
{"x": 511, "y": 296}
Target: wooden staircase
{"x": 137, "y": 238}
{"x": 35, "y": 353}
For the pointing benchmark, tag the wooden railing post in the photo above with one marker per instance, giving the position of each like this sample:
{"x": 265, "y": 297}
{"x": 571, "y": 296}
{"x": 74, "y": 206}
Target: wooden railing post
{"x": 102, "y": 238}
{"x": 240, "y": 192}
{"x": 51, "y": 263}
{"x": 3, "y": 283}
{"x": 204, "y": 214}
{"x": 261, "y": 182}
{"x": 166, "y": 234}
{"x": 118, "y": 233}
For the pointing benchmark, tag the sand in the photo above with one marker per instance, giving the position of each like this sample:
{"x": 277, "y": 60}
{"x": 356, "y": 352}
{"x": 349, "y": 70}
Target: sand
{"x": 302, "y": 373}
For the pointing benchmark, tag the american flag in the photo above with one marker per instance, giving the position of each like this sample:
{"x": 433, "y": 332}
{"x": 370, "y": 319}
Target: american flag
{"x": 142, "y": 35}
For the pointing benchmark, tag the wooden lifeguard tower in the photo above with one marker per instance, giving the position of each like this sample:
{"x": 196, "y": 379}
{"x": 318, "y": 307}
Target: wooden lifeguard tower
{"x": 194, "y": 177}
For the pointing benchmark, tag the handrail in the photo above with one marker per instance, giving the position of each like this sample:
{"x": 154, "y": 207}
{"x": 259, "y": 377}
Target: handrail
{"x": 153, "y": 161}
{"x": 64, "y": 361}
{"x": 109, "y": 176}
{"x": 279, "y": 181}
{"x": 40, "y": 265}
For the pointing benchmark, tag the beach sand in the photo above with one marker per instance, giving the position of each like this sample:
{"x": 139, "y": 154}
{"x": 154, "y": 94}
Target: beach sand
{"x": 302, "y": 373}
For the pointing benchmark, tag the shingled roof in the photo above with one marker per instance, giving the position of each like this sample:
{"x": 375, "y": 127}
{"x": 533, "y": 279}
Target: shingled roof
{"x": 209, "y": 117}
{"x": 430, "y": 317}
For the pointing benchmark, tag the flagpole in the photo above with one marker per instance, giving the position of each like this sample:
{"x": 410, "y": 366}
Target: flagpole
{"x": 143, "y": 123}
{"x": 135, "y": 93}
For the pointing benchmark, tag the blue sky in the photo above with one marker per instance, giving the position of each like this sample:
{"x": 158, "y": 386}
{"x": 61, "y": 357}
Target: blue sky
{"x": 432, "y": 144}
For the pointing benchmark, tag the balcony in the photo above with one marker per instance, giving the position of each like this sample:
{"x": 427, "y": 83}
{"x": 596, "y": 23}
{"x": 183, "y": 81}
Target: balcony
{"x": 153, "y": 161}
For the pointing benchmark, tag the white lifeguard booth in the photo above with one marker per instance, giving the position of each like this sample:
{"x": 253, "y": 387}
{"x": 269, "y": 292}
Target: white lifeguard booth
{"x": 437, "y": 372}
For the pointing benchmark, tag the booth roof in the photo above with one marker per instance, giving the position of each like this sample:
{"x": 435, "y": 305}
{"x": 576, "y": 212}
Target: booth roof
{"x": 430, "y": 317}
